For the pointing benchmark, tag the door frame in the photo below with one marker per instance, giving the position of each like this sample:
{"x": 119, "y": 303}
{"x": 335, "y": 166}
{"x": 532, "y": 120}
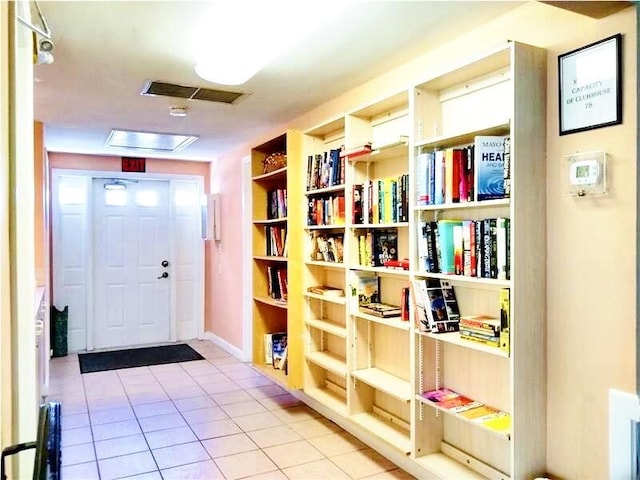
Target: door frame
{"x": 89, "y": 176}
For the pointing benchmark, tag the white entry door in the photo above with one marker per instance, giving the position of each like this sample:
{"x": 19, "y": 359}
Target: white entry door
{"x": 131, "y": 263}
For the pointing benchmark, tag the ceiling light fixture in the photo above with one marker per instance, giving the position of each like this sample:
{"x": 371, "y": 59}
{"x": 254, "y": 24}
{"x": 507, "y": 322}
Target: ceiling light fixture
{"x": 178, "y": 111}
{"x": 230, "y": 53}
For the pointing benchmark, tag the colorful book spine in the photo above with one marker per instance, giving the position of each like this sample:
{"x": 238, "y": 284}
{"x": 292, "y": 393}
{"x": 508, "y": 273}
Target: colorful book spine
{"x": 505, "y": 319}
{"x": 447, "y": 246}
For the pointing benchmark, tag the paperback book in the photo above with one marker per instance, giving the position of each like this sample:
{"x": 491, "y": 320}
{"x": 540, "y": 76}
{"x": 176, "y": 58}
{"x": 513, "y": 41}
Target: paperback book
{"x": 489, "y": 163}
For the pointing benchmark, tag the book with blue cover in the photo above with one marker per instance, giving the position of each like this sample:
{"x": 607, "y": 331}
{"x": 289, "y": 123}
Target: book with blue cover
{"x": 489, "y": 164}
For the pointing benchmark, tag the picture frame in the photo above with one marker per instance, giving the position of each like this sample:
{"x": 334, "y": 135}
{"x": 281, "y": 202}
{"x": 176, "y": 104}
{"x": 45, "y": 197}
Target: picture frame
{"x": 590, "y": 86}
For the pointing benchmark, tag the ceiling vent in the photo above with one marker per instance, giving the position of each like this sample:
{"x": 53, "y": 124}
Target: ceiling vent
{"x": 190, "y": 93}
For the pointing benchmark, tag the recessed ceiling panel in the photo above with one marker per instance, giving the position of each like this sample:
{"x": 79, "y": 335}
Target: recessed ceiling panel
{"x": 150, "y": 141}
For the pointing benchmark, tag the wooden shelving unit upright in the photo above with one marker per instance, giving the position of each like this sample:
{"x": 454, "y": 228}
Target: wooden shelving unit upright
{"x": 275, "y": 253}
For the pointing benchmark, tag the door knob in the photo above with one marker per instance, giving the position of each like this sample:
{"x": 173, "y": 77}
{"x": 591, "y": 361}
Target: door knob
{"x": 164, "y": 275}
{"x": 165, "y": 263}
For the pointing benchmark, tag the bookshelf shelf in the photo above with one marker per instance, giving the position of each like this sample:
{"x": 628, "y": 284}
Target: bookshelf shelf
{"x": 393, "y": 434}
{"x": 336, "y": 226}
{"x": 335, "y": 265}
{"x": 270, "y": 221}
{"x": 280, "y": 174}
{"x": 393, "y": 322}
{"x": 271, "y": 301}
{"x": 383, "y": 381}
{"x": 380, "y": 270}
{"x": 494, "y": 282}
{"x": 329, "y": 361}
{"x": 326, "y": 298}
{"x": 454, "y": 339}
{"x": 274, "y": 374}
{"x": 270, "y": 258}
{"x": 321, "y": 191}
{"x": 382, "y": 153}
{"x": 368, "y": 226}
{"x": 506, "y": 435}
{"x": 328, "y": 398}
{"x": 463, "y": 137}
{"x": 445, "y": 467}
{"x": 501, "y": 202}
{"x": 329, "y": 327}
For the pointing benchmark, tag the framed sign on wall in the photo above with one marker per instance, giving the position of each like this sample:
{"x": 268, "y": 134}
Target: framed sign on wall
{"x": 590, "y": 84}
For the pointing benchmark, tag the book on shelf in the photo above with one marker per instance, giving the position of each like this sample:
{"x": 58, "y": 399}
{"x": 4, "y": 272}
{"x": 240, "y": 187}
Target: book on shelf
{"x": 507, "y": 167}
{"x": 365, "y": 287}
{"x": 281, "y": 364}
{"x": 488, "y": 417}
{"x": 385, "y": 246}
{"x": 447, "y": 245}
{"x": 438, "y": 178}
{"x": 404, "y": 304}
{"x": 422, "y": 179}
{"x": 326, "y": 290}
{"x": 386, "y": 200}
{"x": 326, "y": 247}
{"x": 358, "y": 204}
{"x": 356, "y": 151}
{"x": 276, "y": 241}
{"x": 439, "y": 395}
{"x": 327, "y": 209}
{"x": 417, "y": 295}
{"x": 365, "y": 249}
{"x": 489, "y": 161}
{"x": 324, "y": 170}
{"x": 484, "y": 324}
{"x": 383, "y": 310}
{"x": 277, "y": 283}
{"x": 436, "y": 305}
{"x": 473, "y": 336}
{"x": 480, "y": 413}
{"x": 277, "y": 203}
{"x": 505, "y": 319}
{"x": 500, "y": 422}
{"x": 397, "y": 264}
{"x": 270, "y": 341}
{"x": 278, "y": 347}
{"x": 450, "y": 400}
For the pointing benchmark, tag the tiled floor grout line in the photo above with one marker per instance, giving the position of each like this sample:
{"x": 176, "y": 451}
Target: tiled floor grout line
{"x": 93, "y": 441}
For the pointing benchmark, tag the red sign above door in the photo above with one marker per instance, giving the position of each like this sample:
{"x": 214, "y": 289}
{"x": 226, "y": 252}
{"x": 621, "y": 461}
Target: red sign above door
{"x": 132, "y": 164}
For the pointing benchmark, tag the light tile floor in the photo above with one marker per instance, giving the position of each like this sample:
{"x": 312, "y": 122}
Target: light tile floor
{"x": 210, "y": 419}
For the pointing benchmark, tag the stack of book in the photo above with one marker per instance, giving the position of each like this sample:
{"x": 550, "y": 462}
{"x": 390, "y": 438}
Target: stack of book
{"x": 480, "y": 328}
{"x": 326, "y": 290}
{"x": 383, "y": 310}
{"x": 469, "y": 409}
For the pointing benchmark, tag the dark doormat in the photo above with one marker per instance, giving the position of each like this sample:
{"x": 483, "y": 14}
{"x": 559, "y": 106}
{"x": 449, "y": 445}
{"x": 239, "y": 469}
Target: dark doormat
{"x": 136, "y": 357}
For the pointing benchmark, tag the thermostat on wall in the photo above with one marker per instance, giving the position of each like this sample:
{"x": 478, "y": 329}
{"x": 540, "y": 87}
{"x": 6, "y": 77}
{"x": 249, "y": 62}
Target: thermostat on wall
{"x": 584, "y": 173}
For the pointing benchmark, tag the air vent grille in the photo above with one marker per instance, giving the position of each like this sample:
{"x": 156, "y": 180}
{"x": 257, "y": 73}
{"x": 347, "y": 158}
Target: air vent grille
{"x": 193, "y": 93}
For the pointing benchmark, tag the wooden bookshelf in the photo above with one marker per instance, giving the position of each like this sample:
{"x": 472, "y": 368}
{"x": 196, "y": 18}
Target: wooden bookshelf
{"x": 367, "y": 373}
{"x": 272, "y": 314}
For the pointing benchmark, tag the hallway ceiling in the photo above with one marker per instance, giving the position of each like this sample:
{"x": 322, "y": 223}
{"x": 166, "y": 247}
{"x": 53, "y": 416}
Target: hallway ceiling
{"x": 106, "y": 52}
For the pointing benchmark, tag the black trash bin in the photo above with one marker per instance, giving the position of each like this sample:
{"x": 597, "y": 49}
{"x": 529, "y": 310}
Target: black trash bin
{"x": 58, "y": 331}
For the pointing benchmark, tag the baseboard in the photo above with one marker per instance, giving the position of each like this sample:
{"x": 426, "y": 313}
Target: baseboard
{"x": 222, "y": 343}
